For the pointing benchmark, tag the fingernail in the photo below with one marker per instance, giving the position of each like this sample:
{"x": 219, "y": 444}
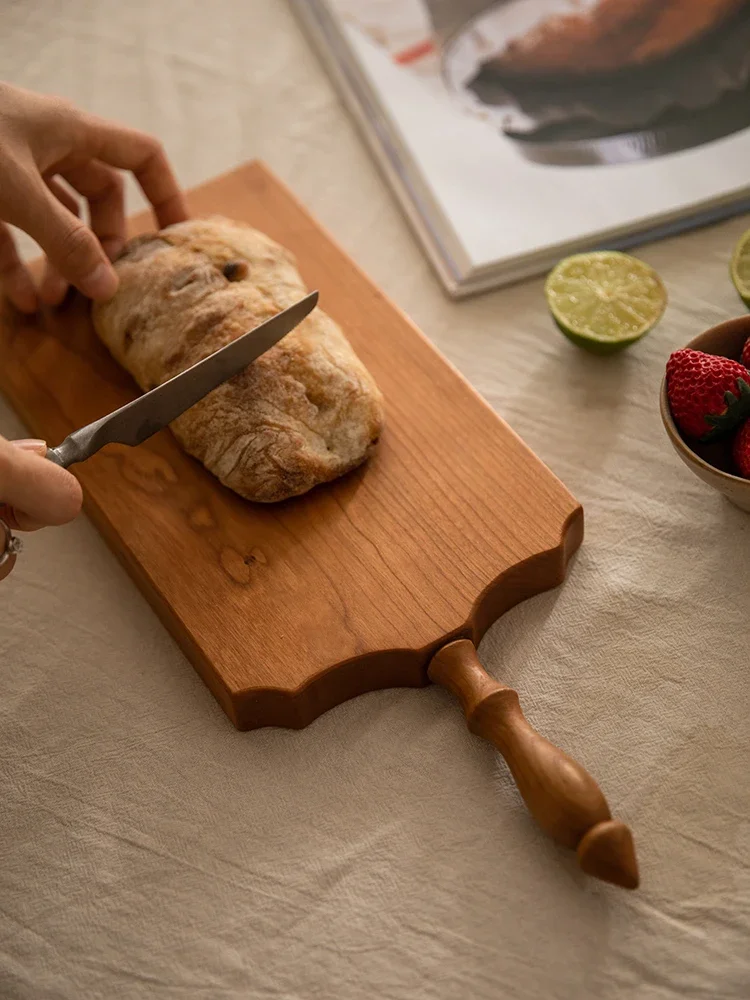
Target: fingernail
{"x": 101, "y": 283}
{"x": 31, "y": 444}
{"x": 53, "y": 288}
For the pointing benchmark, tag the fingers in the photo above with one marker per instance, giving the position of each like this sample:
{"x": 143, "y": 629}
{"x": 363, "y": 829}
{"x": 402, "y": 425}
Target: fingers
{"x": 54, "y": 287}
{"x": 104, "y": 189}
{"x": 144, "y": 156}
{"x": 88, "y": 152}
{"x": 63, "y": 195}
{"x": 38, "y": 492}
{"x": 15, "y": 280}
{"x": 71, "y": 247}
{"x": 10, "y": 516}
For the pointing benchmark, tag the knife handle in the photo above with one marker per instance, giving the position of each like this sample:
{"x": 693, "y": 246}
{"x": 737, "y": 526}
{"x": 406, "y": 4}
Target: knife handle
{"x": 561, "y": 795}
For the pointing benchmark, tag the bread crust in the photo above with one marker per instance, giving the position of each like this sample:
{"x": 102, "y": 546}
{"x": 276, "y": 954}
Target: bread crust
{"x": 304, "y": 413}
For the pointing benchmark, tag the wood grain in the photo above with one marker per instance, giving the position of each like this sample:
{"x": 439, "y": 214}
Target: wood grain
{"x": 288, "y": 610}
{"x": 561, "y": 795}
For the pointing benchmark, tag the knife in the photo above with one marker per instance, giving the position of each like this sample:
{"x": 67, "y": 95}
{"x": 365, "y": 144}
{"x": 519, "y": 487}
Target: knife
{"x": 140, "y": 419}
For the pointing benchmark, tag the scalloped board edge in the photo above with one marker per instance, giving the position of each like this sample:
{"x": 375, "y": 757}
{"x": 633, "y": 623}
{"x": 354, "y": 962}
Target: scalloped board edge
{"x": 461, "y": 520}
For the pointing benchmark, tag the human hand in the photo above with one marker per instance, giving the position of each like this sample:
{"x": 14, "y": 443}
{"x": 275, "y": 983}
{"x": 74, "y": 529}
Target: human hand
{"x": 45, "y": 139}
{"x": 36, "y": 493}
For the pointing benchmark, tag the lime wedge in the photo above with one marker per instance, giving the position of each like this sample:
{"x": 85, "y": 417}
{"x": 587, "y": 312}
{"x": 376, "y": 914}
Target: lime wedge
{"x": 740, "y": 267}
{"x": 605, "y": 301}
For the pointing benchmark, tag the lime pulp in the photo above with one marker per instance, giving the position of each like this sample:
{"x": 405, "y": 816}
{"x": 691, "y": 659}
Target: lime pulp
{"x": 605, "y": 300}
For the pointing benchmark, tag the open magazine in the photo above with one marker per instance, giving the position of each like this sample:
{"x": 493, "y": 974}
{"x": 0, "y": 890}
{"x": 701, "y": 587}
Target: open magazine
{"x": 516, "y": 131}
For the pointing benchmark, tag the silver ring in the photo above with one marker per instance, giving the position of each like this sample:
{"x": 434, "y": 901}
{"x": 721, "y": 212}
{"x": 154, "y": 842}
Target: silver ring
{"x": 11, "y": 545}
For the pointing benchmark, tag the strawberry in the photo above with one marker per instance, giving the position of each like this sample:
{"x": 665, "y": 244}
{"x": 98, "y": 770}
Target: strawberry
{"x": 741, "y": 450}
{"x": 708, "y": 395}
{"x": 745, "y": 359}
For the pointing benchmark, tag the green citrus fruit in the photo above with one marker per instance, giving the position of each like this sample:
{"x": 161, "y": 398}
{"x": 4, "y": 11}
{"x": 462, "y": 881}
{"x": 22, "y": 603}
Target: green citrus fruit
{"x": 604, "y": 301}
{"x": 740, "y": 267}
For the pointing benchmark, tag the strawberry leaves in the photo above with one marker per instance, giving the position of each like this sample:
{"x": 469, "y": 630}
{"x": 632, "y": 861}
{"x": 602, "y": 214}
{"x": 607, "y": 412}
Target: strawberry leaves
{"x": 738, "y": 409}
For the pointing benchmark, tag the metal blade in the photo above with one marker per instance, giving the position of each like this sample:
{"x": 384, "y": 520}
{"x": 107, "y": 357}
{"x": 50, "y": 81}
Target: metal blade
{"x": 138, "y": 420}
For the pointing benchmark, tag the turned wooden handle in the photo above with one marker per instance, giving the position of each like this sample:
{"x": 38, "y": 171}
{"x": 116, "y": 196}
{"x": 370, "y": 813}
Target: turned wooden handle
{"x": 562, "y": 797}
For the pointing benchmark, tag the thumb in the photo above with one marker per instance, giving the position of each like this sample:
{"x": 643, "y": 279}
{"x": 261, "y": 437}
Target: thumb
{"x": 71, "y": 247}
{"x": 37, "y": 492}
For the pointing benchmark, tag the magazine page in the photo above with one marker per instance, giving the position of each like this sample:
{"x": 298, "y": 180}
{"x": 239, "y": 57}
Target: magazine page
{"x": 539, "y": 125}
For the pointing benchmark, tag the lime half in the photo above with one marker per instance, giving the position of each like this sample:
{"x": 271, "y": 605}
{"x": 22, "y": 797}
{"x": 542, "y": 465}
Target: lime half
{"x": 740, "y": 267}
{"x": 605, "y": 301}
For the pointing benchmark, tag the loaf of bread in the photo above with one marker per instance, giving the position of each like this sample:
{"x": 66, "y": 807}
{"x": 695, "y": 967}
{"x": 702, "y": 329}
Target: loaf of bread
{"x": 304, "y": 413}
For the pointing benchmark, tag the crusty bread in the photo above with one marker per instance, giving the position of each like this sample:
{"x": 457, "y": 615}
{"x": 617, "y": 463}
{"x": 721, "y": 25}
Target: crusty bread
{"x": 304, "y": 413}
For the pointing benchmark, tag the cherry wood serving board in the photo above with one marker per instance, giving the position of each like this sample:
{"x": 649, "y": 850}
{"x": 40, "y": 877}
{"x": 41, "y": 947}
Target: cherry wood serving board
{"x": 289, "y": 609}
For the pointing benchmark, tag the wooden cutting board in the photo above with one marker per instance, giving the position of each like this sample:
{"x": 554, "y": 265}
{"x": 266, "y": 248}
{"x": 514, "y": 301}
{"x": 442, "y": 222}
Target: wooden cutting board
{"x": 388, "y": 577}
{"x": 290, "y": 609}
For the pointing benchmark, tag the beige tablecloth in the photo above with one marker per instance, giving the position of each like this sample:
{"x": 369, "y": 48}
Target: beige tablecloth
{"x": 149, "y": 850}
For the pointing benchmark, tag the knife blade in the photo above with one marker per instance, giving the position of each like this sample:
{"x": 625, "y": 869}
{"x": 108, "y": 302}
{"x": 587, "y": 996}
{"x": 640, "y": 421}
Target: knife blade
{"x": 140, "y": 419}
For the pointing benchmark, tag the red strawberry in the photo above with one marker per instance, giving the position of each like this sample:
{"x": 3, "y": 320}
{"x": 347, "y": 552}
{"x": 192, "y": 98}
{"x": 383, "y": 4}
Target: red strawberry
{"x": 708, "y": 395}
{"x": 745, "y": 359}
{"x": 741, "y": 450}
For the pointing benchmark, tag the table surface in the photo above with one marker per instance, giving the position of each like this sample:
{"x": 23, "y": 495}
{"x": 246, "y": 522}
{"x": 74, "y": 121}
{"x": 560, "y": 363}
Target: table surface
{"x": 149, "y": 850}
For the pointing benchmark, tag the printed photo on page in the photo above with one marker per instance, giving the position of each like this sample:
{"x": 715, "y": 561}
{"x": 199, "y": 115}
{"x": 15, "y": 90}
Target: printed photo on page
{"x": 516, "y": 130}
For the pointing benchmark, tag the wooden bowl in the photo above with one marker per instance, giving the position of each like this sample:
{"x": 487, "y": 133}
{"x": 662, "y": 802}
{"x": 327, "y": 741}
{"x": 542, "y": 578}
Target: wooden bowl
{"x": 713, "y": 462}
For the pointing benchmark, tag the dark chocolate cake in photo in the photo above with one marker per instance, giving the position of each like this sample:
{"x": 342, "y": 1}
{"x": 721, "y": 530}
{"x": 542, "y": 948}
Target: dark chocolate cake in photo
{"x": 613, "y": 80}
